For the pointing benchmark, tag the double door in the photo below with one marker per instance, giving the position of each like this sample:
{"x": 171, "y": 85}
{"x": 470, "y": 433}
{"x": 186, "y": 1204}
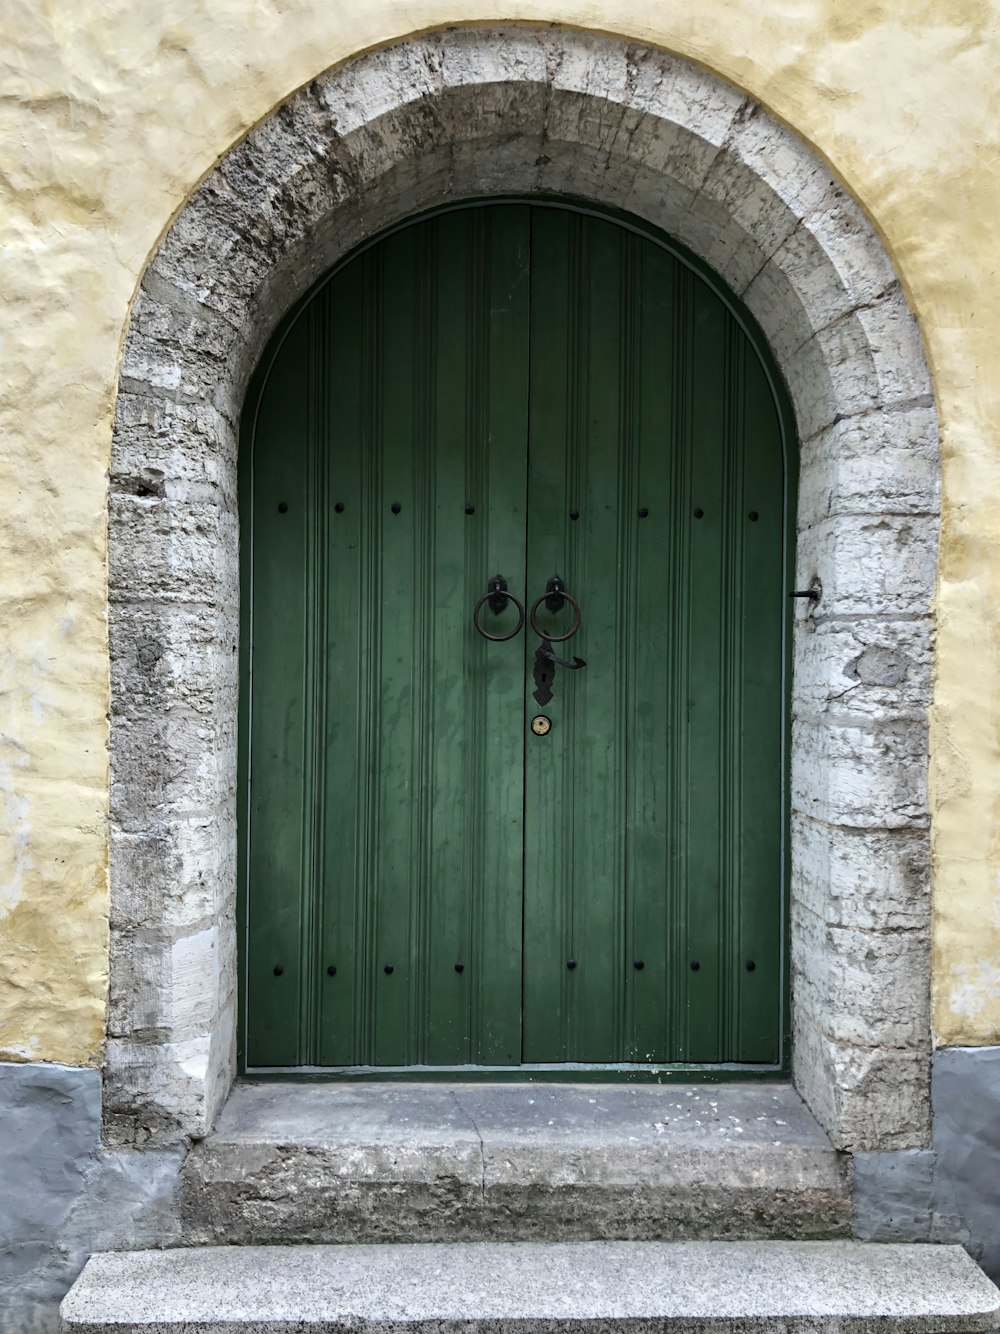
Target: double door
{"x": 442, "y": 870}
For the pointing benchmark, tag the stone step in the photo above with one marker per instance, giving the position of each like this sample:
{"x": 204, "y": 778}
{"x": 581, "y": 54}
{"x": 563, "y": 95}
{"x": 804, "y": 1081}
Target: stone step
{"x": 383, "y": 1162}
{"x": 528, "y": 1287}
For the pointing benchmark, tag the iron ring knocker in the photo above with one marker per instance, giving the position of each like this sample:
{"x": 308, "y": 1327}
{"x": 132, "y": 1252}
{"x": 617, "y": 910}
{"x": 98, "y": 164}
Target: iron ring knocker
{"x": 492, "y": 594}
{"x": 576, "y": 623}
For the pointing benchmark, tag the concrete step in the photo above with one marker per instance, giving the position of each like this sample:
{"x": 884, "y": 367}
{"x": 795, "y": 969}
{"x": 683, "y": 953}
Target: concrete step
{"x": 453, "y": 1162}
{"x": 529, "y": 1287}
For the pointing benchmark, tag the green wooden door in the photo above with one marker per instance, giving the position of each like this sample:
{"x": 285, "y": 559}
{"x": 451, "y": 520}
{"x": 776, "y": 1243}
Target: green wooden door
{"x": 529, "y": 391}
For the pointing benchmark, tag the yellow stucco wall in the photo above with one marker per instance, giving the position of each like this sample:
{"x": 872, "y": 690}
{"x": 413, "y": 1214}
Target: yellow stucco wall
{"x": 114, "y": 109}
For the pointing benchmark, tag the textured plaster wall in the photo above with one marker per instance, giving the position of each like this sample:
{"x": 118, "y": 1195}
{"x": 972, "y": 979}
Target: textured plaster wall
{"x": 112, "y": 111}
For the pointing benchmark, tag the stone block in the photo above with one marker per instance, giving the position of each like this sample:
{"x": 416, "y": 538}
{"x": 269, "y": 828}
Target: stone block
{"x": 171, "y": 551}
{"x": 202, "y": 334}
{"x": 863, "y": 988}
{"x": 159, "y": 1092}
{"x": 709, "y": 230}
{"x": 175, "y": 874}
{"x": 832, "y": 375}
{"x": 512, "y": 56}
{"x": 868, "y": 879}
{"x": 870, "y": 565}
{"x": 594, "y": 66}
{"x": 669, "y": 210}
{"x": 397, "y": 135}
{"x": 167, "y": 986}
{"x": 774, "y": 153}
{"x": 494, "y": 112}
{"x": 171, "y": 765}
{"x": 285, "y": 176}
{"x": 675, "y": 92}
{"x": 863, "y": 271}
{"x": 778, "y": 307}
{"x": 483, "y": 165}
{"x": 878, "y": 670}
{"x": 830, "y": 265}
{"x": 865, "y": 1098}
{"x": 896, "y": 480}
{"x": 176, "y": 656}
{"x": 753, "y": 207}
{"x": 858, "y": 773}
{"x": 706, "y": 229}
{"x": 444, "y": 1162}
{"x": 210, "y": 262}
{"x": 360, "y": 92}
{"x": 894, "y": 338}
{"x": 179, "y": 451}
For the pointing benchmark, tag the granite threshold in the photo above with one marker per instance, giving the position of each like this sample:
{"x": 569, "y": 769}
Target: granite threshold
{"x": 551, "y": 1288}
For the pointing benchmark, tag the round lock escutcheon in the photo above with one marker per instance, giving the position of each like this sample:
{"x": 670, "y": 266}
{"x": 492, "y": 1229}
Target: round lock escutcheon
{"x": 541, "y": 725}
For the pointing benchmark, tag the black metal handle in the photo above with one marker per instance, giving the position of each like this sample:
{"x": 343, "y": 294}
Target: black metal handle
{"x": 555, "y": 590}
{"x": 497, "y": 595}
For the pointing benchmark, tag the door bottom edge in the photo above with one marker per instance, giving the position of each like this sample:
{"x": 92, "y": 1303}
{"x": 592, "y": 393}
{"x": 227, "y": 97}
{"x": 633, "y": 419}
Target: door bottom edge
{"x": 562, "y": 1072}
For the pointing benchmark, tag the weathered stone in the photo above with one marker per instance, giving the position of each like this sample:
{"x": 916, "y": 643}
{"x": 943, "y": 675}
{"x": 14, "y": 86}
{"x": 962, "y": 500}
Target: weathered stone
{"x": 384, "y": 1162}
{"x": 179, "y": 451}
{"x": 847, "y": 383}
{"x": 874, "y": 669}
{"x": 752, "y": 206}
{"x": 792, "y": 170}
{"x": 892, "y": 334}
{"x": 159, "y": 1092}
{"x": 870, "y": 880}
{"x": 490, "y": 1288}
{"x": 878, "y": 565}
{"x": 175, "y": 874}
{"x": 864, "y": 1097}
{"x": 860, "y": 773}
{"x": 864, "y": 988}
{"x": 172, "y": 551}
{"x": 773, "y": 299}
{"x": 164, "y": 770}
{"x": 159, "y": 985}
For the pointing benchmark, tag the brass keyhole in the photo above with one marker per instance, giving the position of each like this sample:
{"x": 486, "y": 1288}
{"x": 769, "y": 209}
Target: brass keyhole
{"x": 540, "y": 725}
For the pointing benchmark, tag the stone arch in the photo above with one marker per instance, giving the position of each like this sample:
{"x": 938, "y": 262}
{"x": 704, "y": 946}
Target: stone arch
{"x": 517, "y": 111}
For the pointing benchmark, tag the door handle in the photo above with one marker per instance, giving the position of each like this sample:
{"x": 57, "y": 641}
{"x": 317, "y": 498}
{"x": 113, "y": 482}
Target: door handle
{"x": 554, "y": 597}
{"x": 497, "y": 595}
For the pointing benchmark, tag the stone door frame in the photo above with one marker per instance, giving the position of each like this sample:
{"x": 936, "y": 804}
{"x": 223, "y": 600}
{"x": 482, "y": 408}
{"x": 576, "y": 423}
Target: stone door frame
{"x": 475, "y": 112}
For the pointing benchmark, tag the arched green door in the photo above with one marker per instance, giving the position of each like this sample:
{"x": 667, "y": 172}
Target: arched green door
{"x": 440, "y": 870}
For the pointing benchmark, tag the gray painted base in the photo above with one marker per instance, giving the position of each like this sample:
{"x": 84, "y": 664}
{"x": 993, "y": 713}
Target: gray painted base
{"x": 596, "y": 1287}
{"x": 62, "y": 1196}
{"x": 950, "y": 1192}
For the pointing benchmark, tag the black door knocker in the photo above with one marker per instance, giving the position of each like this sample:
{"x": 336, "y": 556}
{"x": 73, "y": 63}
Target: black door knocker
{"x": 497, "y": 595}
{"x": 555, "y": 598}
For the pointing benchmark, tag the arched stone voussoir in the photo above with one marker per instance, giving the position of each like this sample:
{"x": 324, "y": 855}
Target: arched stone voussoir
{"x": 523, "y": 111}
